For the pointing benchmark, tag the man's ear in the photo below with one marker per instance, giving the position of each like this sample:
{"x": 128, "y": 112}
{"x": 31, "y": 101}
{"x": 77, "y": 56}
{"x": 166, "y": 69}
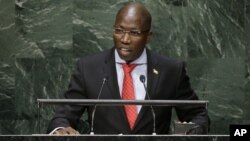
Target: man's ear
{"x": 149, "y": 36}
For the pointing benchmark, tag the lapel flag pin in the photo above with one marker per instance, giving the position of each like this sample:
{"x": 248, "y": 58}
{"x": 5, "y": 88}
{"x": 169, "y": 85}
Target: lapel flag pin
{"x": 155, "y": 71}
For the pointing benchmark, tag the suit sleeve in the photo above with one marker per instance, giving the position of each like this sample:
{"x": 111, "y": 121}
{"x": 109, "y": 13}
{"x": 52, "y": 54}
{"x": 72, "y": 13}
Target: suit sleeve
{"x": 69, "y": 115}
{"x": 190, "y": 113}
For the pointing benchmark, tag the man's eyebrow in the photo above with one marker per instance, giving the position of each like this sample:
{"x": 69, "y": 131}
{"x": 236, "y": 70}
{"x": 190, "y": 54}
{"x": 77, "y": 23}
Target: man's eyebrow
{"x": 118, "y": 26}
{"x": 134, "y": 29}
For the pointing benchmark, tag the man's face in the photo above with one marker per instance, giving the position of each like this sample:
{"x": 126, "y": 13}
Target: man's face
{"x": 128, "y": 43}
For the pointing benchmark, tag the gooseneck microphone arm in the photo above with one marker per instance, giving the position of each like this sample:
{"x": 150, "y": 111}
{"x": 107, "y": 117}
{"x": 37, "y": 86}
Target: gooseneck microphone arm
{"x": 143, "y": 80}
{"x": 93, "y": 112}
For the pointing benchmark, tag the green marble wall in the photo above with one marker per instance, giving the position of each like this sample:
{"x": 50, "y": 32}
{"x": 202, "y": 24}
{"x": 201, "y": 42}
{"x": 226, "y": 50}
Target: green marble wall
{"x": 41, "y": 39}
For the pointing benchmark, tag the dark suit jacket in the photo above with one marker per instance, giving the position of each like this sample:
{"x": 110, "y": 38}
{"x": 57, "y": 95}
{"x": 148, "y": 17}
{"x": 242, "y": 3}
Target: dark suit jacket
{"x": 171, "y": 83}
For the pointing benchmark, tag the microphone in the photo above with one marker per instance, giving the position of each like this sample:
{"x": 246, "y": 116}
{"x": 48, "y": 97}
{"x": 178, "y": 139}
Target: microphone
{"x": 143, "y": 80}
{"x": 93, "y": 112}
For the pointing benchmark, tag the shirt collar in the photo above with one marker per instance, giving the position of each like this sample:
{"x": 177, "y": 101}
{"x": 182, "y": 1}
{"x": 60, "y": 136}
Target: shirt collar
{"x": 140, "y": 60}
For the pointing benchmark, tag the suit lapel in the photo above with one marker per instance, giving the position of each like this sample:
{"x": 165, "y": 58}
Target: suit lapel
{"x": 153, "y": 76}
{"x": 110, "y": 70}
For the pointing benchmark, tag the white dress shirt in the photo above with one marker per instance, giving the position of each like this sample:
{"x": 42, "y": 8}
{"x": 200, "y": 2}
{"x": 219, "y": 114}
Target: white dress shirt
{"x": 140, "y": 69}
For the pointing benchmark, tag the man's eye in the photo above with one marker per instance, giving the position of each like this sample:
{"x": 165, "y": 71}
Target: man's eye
{"x": 135, "y": 33}
{"x": 117, "y": 30}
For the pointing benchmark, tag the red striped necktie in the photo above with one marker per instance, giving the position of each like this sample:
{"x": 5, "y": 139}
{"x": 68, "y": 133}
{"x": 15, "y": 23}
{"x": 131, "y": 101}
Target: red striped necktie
{"x": 128, "y": 93}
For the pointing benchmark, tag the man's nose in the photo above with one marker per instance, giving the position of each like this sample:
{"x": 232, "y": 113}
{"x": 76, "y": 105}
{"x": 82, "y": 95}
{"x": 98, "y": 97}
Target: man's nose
{"x": 125, "y": 38}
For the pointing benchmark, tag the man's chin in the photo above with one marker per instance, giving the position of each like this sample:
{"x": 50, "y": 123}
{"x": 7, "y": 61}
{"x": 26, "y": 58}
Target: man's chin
{"x": 125, "y": 55}
{"x": 126, "y": 58}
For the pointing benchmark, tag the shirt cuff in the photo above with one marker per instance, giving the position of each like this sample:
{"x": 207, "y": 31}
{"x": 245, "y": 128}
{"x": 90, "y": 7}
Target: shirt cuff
{"x": 52, "y": 132}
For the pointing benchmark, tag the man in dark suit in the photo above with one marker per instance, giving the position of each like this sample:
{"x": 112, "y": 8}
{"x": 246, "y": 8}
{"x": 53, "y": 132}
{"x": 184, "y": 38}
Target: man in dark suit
{"x": 166, "y": 79}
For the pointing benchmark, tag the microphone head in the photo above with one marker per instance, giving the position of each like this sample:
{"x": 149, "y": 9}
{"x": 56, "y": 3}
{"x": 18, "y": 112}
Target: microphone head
{"x": 142, "y": 78}
{"x": 105, "y": 78}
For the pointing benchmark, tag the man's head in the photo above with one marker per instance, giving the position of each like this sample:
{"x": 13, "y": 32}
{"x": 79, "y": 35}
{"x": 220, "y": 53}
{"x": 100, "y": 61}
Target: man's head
{"x": 132, "y": 31}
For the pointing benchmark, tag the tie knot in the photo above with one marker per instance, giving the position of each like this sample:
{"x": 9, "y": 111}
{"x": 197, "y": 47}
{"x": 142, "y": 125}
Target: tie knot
{"x": 128, "y": 67}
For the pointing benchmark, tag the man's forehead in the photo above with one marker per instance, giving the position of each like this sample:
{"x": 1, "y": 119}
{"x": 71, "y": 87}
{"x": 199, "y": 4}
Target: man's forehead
{"x": 133, "y": 10}
{"x": 130, "y": 12}
{"x": 134, "y": 13}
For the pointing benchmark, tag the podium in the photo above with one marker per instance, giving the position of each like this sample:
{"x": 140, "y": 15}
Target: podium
{"x": 98, "y": 137}
{"x": 116, "y": 102}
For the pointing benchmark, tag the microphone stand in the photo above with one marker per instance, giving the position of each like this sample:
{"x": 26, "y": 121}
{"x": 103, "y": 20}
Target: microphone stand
{"x": 142, "y": 79}
{"x": 93, "y": 112}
